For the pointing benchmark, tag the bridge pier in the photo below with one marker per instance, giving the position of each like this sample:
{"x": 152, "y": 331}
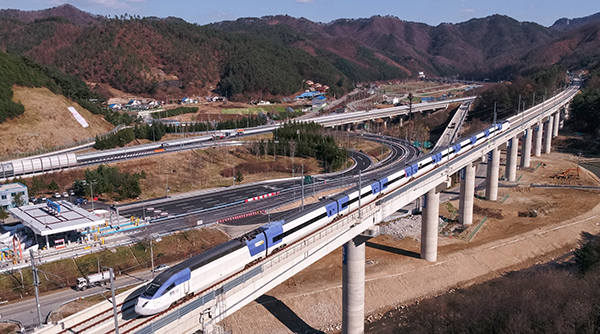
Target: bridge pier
{"x": 491, "y": 180}
{"x": 548, "y": 135}
{"x": 538, "y": 140}
{"x": 353, "y": 286}
{"x": 556, "y": 124}
{"x": 526, "y": 149}
{"x": 467, "y": 194}
{"x": 512, "y": 153}
{"x": 429, "y": 225}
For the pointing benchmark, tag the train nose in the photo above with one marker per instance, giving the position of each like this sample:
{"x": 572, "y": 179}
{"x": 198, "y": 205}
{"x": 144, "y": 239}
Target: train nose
{"x": 141, "y": 307}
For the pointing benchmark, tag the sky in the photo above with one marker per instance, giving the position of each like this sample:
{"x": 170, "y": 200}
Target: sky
{"x": 432, "y": 12}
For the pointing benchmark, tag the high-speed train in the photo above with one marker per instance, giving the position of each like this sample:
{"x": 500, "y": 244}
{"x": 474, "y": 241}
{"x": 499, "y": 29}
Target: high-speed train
{"x": 202, "y": 271}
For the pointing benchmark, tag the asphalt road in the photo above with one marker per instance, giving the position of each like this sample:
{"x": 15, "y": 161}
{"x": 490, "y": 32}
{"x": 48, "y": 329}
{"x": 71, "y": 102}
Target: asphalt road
{"x": 218, "y": 198}
{"x": 209, "y": 212}
{"x": 26, "y": 313}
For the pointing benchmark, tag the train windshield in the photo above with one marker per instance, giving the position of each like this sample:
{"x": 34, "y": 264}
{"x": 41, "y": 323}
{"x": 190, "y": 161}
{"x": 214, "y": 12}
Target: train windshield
{"x": 151, "y": 289}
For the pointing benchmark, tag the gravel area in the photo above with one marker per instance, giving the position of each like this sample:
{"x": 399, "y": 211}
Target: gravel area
{"x": 407, "y": 227}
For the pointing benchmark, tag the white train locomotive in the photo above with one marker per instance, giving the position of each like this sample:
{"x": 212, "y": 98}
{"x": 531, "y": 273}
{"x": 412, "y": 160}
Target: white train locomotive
{"x": 198, "y": 273}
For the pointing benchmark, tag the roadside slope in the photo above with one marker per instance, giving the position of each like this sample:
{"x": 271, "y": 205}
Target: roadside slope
{"x": 46, "y": 122}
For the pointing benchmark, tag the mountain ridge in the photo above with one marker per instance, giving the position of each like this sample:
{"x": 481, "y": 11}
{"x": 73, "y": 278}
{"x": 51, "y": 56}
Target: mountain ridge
{"x": 272, "y": 55}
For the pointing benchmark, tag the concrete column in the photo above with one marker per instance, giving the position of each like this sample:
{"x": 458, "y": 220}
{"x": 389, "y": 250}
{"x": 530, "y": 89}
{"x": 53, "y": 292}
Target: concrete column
{"x": 429, "y": 226}
{"x": 567, "y": 115}
{"x": 512, "y": 154}
{"x": 538, "y": 140}
{"x": 353, "y": 286}
{"x": 491, "y": 180}
{"x": 548, "y": 136}
{"x": 526, "y": 149}
{"x": 467, "y": 194}
{"x": 556, "y": 124}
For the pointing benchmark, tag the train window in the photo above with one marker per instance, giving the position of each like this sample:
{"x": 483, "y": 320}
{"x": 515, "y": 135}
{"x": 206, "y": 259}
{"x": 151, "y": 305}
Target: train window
{"x": 370, "y": 192}
{"x": 151, "y": 289}
{"x": 394, "y": 180}
{"x": 299, "y": 227}
{"x": 169, "y": 288}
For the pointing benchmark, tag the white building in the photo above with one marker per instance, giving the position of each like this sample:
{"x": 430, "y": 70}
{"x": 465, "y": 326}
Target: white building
{"x": 8, "y": 193}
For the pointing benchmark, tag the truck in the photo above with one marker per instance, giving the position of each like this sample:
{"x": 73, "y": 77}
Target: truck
{"x": 92, "y": 280}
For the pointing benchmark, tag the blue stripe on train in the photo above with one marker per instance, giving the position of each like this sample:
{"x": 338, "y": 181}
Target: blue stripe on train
{"x": 332, "y": 209}
{"x": 257, "y": 245}
{"x": 375, "y": 188}
{"x": 341, "y": 203}
{"x": 272, "y": 230}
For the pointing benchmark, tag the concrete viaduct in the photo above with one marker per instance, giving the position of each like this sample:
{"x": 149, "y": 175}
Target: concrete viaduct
{"x": 205, "y": 310}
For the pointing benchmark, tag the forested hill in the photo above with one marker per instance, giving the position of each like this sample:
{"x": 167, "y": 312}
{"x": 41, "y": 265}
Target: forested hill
{"x": 152, "y": 56}
{"x": 273, "y": 55}
{"x": 22, "y": 71}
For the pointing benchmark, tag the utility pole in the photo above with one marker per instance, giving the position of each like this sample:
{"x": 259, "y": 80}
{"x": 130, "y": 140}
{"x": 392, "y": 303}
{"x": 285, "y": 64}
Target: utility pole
{"x": 495, "y": 113}
{"x": 359, "y": 194}
{"x": 114, "y": 301}
{"x": 519, "y": 105}
{"x": 92, "y": 192}
{"x": 36, "y": 283}
{"x": 302, "y": 186}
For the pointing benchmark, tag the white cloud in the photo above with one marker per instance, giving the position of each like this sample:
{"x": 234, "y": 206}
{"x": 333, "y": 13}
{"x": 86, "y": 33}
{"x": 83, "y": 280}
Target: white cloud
{"x": 467, "y": 10}
{"x": 304, "y": 1}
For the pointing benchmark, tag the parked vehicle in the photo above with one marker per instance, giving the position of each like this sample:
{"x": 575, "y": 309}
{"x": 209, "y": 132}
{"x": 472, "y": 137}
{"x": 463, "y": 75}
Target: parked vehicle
{"x": 80, "y": 201}
{"x": 65, "y": 194}
{"x": 92, "y": 280}
{"x": 57, "y": 195}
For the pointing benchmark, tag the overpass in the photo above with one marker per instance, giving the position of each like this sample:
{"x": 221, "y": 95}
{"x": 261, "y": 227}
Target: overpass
{"x": 452, "y": 131}
{"x": 206, "y": 309}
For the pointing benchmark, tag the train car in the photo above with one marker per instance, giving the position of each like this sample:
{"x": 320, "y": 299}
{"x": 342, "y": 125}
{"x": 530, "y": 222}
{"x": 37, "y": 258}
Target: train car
{"x": 194, "y": 275}
{"x": 282, "y": 233}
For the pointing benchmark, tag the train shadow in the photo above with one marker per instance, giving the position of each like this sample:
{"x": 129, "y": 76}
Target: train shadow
{"x": 393, "y": 250}
{"x": 285, "y": 315}
{"x": 127, "y": 309}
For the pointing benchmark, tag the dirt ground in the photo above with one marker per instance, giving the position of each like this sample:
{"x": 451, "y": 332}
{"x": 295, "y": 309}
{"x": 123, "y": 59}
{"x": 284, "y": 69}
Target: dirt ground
{"x": 396, "y": 275}
{"x": 6, "y": 328}
{"x": 46, "y": 122}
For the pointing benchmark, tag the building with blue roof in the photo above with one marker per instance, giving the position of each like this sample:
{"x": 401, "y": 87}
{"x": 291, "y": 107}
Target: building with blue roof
{"x": 308, "y": 95}
{"x": 319, "y": 102}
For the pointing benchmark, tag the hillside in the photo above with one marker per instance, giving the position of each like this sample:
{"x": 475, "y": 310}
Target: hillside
{"x": 271, "y": 56}
{"x": 46, "y": 122}
{"x": 66, "y": 12}
{"x": 569, "y": 24}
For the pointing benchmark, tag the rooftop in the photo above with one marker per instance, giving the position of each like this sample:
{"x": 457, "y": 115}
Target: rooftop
{"x": 11, "y": 186}
{"x": 40, "y": 219}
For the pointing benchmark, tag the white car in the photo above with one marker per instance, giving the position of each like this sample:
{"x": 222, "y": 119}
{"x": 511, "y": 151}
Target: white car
{"x": 161, "y": 268}
{"x": 57, "y": 195}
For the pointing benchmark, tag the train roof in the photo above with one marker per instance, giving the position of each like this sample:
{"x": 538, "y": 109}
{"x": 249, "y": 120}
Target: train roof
{"x": 199, "y": 260}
